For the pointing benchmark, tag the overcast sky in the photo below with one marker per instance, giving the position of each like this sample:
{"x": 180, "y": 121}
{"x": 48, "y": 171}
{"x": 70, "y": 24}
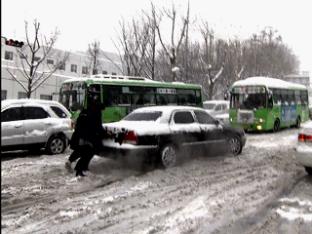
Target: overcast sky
{"x": 82, "y": 21}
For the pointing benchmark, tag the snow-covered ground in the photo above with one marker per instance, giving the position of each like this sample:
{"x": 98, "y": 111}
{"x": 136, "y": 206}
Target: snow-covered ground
{"x": 205, "y": 195}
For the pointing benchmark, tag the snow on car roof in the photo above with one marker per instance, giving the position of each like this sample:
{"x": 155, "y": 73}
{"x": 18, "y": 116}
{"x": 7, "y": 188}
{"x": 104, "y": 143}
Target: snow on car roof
{"x": 8, "y": 102}
{"x": 25, "y": 100}
{"x": 216, "y": 101}
{"x": 166, "y": 108}
{"x": 267, "y": 82}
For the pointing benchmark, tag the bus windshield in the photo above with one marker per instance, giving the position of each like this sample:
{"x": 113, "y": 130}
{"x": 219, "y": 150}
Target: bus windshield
{"x": 72, "y": 95}
{"x": 248, "y": 97}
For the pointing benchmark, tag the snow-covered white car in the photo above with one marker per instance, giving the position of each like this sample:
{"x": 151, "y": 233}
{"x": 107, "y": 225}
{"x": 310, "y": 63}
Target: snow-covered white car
{"x": 161, "y": 132}
{"x": 304, "y": 146}
{"x": 34, "y": 124}
{"x": 216, "y": 107}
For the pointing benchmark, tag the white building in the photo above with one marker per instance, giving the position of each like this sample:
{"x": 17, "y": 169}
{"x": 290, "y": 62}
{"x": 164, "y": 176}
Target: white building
{"x": 304, "y": 79}
{"x": 77, "y": 65}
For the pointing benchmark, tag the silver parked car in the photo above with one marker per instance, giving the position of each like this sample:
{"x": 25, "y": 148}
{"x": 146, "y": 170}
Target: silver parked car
{"x": 304, "y": 146}
{"x": 34, "y": 124}
{"x": 219, "y": 109}
{"x": 216, "y": 107}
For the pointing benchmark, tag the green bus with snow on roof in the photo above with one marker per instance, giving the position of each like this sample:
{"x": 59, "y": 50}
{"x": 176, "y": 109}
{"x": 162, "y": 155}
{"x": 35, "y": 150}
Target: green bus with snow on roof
{"x": 122, "y": 94}
{"x": 263, "y": 103}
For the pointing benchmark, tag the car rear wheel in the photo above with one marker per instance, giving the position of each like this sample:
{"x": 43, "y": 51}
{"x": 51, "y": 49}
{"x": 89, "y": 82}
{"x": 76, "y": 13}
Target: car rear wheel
{"x": 168, "y": 156}
{"x": 309, "y": 170}
{"x": 56, "y": 145}
{"x": 235, "y": 145}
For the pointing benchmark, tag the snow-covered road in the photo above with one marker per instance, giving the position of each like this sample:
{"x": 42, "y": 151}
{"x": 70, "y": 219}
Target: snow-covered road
{"x": 204, "y": 195}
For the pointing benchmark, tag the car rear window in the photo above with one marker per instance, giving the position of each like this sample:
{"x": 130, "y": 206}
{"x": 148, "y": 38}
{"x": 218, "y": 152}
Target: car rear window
{"x": 209, "y": 106}
{"x": 143, "y": 116}
{"x": 59, "y": 112}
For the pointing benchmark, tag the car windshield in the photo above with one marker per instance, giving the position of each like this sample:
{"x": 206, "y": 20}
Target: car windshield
{"x": 143, "y": 116}
{"x": 209, "y": 106}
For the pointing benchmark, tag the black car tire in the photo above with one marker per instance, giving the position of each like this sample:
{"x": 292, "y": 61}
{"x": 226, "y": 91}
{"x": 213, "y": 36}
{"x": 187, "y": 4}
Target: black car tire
{"x": 276, "y": 126}
{"x": 235, "y": 145}
{"x": 168, "y": 156}
{"x": 56, "y": 145}
{"x": 309, "y": 170}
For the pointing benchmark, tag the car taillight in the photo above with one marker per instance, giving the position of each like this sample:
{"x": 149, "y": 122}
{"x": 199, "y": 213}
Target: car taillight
{"x": 304, "y": 138}
{"x": 131, "y": 138}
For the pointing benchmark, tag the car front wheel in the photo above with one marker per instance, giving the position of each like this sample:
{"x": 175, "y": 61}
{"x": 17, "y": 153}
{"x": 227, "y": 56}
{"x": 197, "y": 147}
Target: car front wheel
{"x": 309, "y": 170}
{"x": 56, "y": 145}
{"x": 235, "y": 145}
{"x": 168, "y": 156}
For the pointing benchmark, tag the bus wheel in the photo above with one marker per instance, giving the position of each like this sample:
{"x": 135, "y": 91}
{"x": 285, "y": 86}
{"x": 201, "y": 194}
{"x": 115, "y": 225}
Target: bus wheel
{"x": 298, "y": 122}
{"x": 276, "y": 126}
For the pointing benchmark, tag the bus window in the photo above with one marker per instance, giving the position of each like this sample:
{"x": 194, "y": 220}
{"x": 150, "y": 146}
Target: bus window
{"x": 72, "y": 96}
{"x": 284, "y": 97}
{"x": 186, "y": 97}
{"x": 291, "y": 97}
{"x": 198, "y": 97}
{"x": 166, "y": 99}
{"x": 137, "y": 99}
{"x": 149, "y": 99}
{"x": 304, "y": 97}
{"x": 297, "y": 97}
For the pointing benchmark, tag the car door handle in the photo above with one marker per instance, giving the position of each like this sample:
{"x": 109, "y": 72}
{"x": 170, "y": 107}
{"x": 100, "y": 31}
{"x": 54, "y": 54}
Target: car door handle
{"x": 18, "y": 125}
{"x": 49, "y": 124}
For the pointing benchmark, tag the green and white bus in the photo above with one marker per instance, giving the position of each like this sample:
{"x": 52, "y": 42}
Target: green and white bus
{"x": 122, "y": 94}
{"x": 262, "y": 103}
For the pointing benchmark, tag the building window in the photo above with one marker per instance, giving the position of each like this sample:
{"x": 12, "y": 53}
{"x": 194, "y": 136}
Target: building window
{"x": 85, "y": 70}
{"x": 4, "y": 94}
{"x": 104, "y": 72}
{"x": 8, "y": 55}
{"x": 21, "y": 95}
{"x": 36, "y": 59}
{"x": 50, "y": 61}
{"x": 45, "y": 97}
{"x": 114, "y": 73}
{"x": 62, "y": 66}
{"x": 94, "y": 71}
{"x": 73, "y": 68}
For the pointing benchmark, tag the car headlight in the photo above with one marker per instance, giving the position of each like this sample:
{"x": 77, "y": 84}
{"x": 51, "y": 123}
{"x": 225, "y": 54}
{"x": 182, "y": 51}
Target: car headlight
{"x": 261, "y": 120}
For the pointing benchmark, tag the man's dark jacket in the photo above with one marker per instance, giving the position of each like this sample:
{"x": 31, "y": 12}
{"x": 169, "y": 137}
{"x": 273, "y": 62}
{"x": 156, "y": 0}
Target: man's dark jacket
{"x": 88, "y": 129}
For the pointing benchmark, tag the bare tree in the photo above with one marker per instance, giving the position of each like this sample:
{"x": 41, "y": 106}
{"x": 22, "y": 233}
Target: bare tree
{"x": 32, "y": 57}
{"x": 212, "y": 60}
{"x": 94, "y": 53}
{"x": 267, "y": 55}
{"x": 172, "y": 50}
{"x": 133, "y": 41}
{"x": 150, "y": 59}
